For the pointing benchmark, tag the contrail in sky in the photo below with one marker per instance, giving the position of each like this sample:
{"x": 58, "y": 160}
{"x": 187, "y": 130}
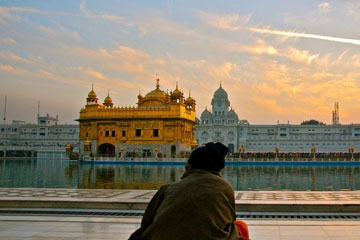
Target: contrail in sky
{"x": 305, "y": 35}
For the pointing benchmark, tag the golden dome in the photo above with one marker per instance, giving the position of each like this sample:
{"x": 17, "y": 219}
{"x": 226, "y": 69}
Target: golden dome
{"x": 108, "y": 99}
{"x": 157, "y": 93}
{"x": 189, "y": 100}
{"x": 92, "y": 95}
{"x": 177, "y": 93}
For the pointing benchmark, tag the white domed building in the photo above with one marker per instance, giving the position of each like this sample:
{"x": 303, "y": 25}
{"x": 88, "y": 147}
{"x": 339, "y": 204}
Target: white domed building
{"x": 220, "y": 123}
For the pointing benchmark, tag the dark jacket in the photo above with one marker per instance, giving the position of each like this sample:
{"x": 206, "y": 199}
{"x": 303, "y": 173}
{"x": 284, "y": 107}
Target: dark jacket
{"x": 200, "y": 206}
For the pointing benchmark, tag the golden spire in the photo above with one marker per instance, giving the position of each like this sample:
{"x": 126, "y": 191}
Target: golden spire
{"x": 157, "y": 83}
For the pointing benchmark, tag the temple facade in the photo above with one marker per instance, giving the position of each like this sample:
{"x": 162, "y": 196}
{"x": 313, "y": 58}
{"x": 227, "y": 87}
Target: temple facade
{"x": 162, "y": 124}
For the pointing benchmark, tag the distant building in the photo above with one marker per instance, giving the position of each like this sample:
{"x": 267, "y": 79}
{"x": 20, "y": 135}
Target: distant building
{"x": 44, "y": 137}
{"x": 161, "y": 124}
{"x": 221, "y": 124}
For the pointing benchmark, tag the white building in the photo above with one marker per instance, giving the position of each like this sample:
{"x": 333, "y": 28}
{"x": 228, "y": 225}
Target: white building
{"x": 221, "y": 124}
{"x": 44, "y": 138}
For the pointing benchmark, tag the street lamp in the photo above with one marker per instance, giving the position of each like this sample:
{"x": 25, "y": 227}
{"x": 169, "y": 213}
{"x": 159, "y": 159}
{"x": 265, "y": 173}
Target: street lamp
{"x": 351, "y": 150}
{"x": 122, "y": 153}
{"x": 156, "y": 153}
{"x": 313, "y": 151}
{"x": 277, "y": 149}
{"x": 241, "y": 150}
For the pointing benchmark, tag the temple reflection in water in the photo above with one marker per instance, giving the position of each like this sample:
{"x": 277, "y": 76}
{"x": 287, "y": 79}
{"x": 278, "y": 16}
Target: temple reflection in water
{"x": 61, "y": 174}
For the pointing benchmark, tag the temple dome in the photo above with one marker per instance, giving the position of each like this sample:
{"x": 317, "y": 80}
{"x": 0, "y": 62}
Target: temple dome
{"x": 220, "y": 93}
{"x": 177, "y": 93}
{"x": 189, "y": 100}
{"x": 155, "y": 97}
{"x": 108, "y": 100}
{"x": 157, "y": 93}
{"x": 92, "y": 94}
{"x": 206, "y": 114}
{"x": 232, "y": 115}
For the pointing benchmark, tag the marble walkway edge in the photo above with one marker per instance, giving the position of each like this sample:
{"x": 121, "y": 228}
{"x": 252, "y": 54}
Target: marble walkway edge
{"x": 246, "y": 201}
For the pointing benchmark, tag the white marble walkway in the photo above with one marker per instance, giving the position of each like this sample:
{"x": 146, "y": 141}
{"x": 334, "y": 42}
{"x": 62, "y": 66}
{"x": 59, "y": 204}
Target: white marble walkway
{"x": 71, "y": 228}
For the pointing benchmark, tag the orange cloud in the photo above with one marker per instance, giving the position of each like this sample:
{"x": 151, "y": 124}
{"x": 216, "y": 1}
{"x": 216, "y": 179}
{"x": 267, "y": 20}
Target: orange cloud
{"x": 95, "y": 74}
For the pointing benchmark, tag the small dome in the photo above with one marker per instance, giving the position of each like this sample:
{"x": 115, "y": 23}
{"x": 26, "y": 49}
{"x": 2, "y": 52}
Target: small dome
{"x": 92, "y": 94}
{"x": 232, "y": 114}
{"x": 177, "y": 93}
{"x": 108, "y": 99}
{"x": 189, "y": 100}
{"x": 206, "y": 114}
{"x": 92, "y": 97}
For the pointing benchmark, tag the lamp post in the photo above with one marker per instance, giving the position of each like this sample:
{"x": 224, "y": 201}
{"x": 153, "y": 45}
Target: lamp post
{"x": 277, "y": 149}
{"x": 69, "y": 149}
{"x": 87, "y": 148}
{"x": 241, "y": 150}
{"x": 121, "y": 153}
{"x": 313, "y": 151}
{"x": 156, "y": 153}
{"x": 351, "y": 150}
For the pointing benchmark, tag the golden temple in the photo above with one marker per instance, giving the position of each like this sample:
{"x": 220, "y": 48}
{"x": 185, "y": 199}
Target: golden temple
{"x": 162, "y": 125}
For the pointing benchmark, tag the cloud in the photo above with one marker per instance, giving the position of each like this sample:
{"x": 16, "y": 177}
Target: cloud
{"x": 324, "y": 7}
{"x": 261, "y": 48}
{"x": 95, "y": 74}
{"x": 61, "y": 32}
{"x": 352, "y": 8}
{"x": 113, "y": 18}
{"x": 230, "y": 22}
{"x": 302, "y": 56}
{"x": 15, "y": 70}
{"x": 46, "y": 29}
{"x": 8, "y": 41}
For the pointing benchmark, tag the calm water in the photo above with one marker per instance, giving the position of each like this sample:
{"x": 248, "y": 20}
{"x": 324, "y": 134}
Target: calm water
{"x": 61, "y": 174}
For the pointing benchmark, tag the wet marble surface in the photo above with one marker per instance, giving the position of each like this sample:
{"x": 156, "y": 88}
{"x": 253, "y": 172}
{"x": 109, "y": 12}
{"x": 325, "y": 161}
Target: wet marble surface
{"x": 69, "y": 228}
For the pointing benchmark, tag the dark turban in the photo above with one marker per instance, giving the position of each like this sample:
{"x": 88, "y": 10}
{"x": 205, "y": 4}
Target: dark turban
{"x": 210, "y": 157}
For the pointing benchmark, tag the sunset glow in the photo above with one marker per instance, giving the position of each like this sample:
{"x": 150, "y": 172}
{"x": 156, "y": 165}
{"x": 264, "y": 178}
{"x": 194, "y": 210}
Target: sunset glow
{"x": 278, "y": 60}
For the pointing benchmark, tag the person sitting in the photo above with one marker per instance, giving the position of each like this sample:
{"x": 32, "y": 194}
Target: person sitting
{"x": 200, "y": 206}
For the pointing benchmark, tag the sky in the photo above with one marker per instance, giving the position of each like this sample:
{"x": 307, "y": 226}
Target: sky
{"x": 278, "y": 60}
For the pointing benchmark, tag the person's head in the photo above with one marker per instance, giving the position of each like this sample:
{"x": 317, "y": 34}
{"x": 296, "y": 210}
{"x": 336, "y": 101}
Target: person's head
{"x": 210, "y": 157}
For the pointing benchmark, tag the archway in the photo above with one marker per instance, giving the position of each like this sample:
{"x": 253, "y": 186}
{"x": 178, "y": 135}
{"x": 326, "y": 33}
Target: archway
{"x": 173, "y": 151}
{"x": 231, "y": 148}
{"x": 106, "y": 150}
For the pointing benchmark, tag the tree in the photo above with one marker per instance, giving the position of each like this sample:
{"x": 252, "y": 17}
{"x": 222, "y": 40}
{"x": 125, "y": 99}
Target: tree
{"x": 312, "y": 122}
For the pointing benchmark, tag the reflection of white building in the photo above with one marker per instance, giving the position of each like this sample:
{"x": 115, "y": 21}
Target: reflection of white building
{"x": 221, "y": 124}
{"x": 47, "y": 136}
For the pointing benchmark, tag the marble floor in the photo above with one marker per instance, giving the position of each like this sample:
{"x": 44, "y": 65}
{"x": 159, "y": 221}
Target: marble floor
{"x": 69, "y": 228}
